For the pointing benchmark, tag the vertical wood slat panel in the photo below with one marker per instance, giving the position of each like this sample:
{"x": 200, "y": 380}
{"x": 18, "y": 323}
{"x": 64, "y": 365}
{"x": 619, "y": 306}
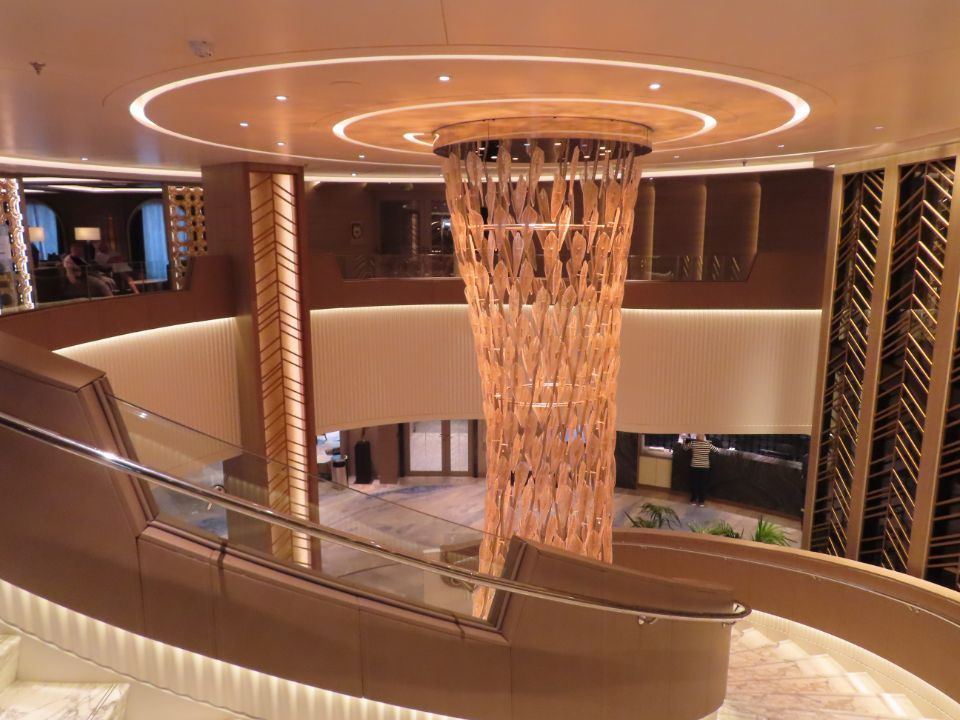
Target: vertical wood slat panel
{"x": 935, "y": 531}
{"x": 187, "y": 373}
{"x": 913, "y": 299}
{"x": 715, "y": 370}
{"x": 844, "y": 358}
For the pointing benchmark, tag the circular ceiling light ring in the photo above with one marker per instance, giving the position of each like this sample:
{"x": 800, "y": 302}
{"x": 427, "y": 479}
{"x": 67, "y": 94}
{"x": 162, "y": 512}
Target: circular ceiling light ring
{"x": 137, "y": 108}
{"x": 707, "y": 122}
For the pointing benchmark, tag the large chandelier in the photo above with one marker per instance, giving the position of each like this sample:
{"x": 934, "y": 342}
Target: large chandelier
{"x": 542, "y": 215}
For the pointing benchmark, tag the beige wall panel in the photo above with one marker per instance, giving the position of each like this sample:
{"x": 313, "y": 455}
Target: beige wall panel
{"x": 187, "y": 373}
{"x": 720, "y": 370}
{"x": 379, "y": 365}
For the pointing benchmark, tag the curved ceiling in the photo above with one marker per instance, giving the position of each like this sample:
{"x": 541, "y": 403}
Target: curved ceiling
{"x": 720, "y": 83}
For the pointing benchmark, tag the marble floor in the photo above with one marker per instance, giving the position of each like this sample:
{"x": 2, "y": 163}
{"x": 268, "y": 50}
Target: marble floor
{"x": 31, "y": 700}
{"x": 784, "y": 671}
{"x": 460, "y": 500}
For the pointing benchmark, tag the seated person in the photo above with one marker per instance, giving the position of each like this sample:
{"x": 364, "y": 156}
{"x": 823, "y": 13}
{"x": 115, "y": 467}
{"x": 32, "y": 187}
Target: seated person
{"x": 82, "y": 279}
{"x": 111, "y": 261}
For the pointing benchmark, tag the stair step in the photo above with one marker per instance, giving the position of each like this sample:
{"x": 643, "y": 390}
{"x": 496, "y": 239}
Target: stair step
{"x": 9, "y": 659}
{"x": 752, "y": 639}
{"x": 869, "y": 705}
{"x": 727, "y": 713}
{"x": 789, "y": 650}
{"x": 53, "y": 701}
{"x": 831, "y": 685}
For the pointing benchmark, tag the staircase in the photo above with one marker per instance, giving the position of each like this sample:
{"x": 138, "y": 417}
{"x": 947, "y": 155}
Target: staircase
{"x": 772, "y": 677}
{"x": 54, "y": 700}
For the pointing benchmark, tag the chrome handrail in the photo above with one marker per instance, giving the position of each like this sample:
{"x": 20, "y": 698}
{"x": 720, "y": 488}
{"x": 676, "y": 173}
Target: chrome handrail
{"x": 716, "y": 555}
{"x": 260, "y": 512}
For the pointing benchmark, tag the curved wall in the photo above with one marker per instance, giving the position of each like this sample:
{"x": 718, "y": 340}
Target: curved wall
{"x": 731, "y": 371}
{"x": 187, "y": 372}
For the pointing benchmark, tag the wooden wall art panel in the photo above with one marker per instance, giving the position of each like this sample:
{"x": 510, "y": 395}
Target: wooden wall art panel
{"x": 15, "y": 278}
{"x": 910, "y": 328}
{"x": 280, "y": 341}
{"x": 846, "y": 358}
{"x": 186, "y": 229}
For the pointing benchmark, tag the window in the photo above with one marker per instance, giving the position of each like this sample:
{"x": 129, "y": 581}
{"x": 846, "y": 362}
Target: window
{"x": 42, "y": 216}
{"x": 154, "y": 240}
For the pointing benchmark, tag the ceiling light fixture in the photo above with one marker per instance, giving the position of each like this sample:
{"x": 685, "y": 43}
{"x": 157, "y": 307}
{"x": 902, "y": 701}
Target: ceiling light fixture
{"x": 655, "y": 86}
{"x": 443, "y": 78}
{"x": 138, "y": 107}
{"x": 707, "y": 122}
{"x": 244, "y": 123}
{"x": 281, "y": 98}
{"x": 676, "y": 157}
{"x": 353, "y": 174}
{"x": 361, "y": 156}
{"x": 280, "y": 143}
{"x": 781, "y": 146}
{"x": 878, "y": 127}
{"x": 84, "y": 159}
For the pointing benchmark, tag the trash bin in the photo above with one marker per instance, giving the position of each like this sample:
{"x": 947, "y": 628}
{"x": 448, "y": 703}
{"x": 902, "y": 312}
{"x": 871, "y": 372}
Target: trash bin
{"x": 339, "y": 466}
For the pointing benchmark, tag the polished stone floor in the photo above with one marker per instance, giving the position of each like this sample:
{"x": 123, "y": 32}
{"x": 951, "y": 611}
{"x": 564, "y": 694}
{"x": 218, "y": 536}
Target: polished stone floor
{"x": 784, "y": 671}
{"x": 460, "y": 500}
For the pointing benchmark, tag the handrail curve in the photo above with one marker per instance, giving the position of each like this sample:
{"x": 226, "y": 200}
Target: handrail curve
{"x": 912, "y": 606}
{"x": 255, "y": 510}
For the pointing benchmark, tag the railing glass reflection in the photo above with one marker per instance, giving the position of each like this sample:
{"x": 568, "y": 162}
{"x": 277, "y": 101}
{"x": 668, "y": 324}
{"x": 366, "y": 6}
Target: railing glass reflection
{"x": 460, "y": 581}
{"x": 56, "y": 285}
{"x": 648, "y": 268}
{"x": 213, "y": 464}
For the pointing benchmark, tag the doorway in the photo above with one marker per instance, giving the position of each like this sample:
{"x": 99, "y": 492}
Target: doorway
{"x": 440, "y": 447}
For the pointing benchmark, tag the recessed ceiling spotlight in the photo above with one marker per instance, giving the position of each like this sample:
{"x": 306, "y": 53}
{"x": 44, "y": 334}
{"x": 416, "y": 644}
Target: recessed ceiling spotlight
{"x": 558, "y": 144}
{"x": 878, "y": 127}
{"x": 281, "y": 98}
{"x": 676, "y": 157}
{"x": 781, "y": 146}
{"x": 244, "y": 123}
{"x": 84, "y": 159}
{"x": 443, "y": 78}
{"x": 493, "y": 157}
{"x": 353, "y": 174}
{"x": 361, "y": 156}
{"x": 655, "y": 86}
{"x": 280, "y": 143}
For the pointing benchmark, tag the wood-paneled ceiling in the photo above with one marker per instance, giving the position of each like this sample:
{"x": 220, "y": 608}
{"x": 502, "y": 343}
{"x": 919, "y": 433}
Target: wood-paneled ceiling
{"x": 810, "y": 82}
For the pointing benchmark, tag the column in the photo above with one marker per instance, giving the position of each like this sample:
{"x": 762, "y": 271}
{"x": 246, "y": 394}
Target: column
{"x": 254, "y": 213}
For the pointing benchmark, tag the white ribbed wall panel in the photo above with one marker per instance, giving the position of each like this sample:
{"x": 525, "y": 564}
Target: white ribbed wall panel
{"x": 379, "y": 365}
{"x": 187, "y": 372}
{"x": 718, "y": 371}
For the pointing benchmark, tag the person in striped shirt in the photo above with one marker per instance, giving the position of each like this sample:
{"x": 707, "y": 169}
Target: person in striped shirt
{"x": 700, "y": 450}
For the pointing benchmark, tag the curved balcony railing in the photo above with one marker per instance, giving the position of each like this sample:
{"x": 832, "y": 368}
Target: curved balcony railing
{"x": 53, "y": 285}
{"x": 647, "y": 268}
{"x": 286, "y": 521}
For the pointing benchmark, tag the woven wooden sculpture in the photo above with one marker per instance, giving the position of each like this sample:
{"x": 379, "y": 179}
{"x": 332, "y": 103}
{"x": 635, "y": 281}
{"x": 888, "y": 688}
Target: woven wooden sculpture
{"x": 544, "y": 264}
